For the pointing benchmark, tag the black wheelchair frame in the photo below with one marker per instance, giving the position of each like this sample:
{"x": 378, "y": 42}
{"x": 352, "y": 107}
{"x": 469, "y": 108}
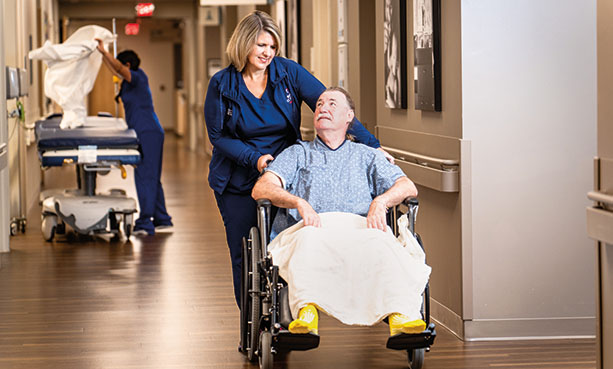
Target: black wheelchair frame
{"x": 265, "y": 313}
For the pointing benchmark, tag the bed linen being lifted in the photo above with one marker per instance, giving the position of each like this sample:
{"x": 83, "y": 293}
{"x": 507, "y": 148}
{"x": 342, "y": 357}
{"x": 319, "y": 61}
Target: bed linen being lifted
{"x": 72, "y": 68}
{"x": 356, "y": 274}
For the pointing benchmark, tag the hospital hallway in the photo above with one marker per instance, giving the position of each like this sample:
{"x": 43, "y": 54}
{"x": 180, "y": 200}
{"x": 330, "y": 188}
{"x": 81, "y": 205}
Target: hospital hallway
{"x": 166, "y": 301}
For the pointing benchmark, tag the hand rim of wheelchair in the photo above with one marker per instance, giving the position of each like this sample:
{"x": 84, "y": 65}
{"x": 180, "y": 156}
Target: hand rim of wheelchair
{"x": 250, "y": 296}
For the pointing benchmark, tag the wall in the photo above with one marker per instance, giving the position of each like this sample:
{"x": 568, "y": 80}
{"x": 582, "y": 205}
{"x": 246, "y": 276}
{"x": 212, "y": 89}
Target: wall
{"x": 529, "y": 104}
{"x": 24, "y": 20}
{"x": 4, "y": 173}
{"x": 435, "y": 134}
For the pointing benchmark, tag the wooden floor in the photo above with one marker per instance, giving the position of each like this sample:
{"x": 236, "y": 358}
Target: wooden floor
{"x": 166, "y": 302}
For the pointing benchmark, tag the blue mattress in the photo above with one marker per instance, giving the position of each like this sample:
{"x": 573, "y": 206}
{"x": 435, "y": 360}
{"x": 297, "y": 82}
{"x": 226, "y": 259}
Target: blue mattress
{"x": 51, "y": 137}
{"x": 100, "y": 142}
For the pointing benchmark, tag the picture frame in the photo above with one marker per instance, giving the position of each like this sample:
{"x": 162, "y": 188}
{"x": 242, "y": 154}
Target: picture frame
{"x": 395, "y": 53}
{"x": 292, "y": 30}
{"x": 427, "y": 54}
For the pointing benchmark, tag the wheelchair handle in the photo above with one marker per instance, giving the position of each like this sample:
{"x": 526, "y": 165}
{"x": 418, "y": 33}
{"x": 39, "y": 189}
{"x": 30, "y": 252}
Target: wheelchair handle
{"x": 411, "y": 201}
{"x": 264, "y": 203}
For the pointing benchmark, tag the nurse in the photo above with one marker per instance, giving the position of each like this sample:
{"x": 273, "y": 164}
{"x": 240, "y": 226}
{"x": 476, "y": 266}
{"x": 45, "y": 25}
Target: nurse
{"x": 252, "y": 112}
{"x": 138, "y": 106}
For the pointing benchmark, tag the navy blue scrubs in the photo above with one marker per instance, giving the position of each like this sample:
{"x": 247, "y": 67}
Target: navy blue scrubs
{"x": 264, "y": 127}
{"x": 242, "y": 127}
{"x": 140, "y": 116}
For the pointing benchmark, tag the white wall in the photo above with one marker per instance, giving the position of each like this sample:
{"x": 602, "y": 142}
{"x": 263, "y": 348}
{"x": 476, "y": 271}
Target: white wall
{"x": 529, "y": 110}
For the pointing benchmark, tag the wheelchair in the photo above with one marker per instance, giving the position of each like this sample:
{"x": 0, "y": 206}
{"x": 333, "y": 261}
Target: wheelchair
{"x": 265, "y": 312}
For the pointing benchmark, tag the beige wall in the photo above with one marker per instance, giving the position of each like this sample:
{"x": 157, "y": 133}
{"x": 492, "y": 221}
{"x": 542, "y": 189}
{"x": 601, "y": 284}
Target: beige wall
{"x": 449, "y": 121}
{"x": 22, "y": 20}
{"x": 440, "y": 221}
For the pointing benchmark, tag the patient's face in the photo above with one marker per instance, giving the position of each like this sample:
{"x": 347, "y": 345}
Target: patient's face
{"x": 332, "y": 112}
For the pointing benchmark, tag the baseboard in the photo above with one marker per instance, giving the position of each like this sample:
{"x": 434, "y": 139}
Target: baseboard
{"x": 529, "y": 329}
{"x": 512, "y": 329}
{"x": 444, "y": 316}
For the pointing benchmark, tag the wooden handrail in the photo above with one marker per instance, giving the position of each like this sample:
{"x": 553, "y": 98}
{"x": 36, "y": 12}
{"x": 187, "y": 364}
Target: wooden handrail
{"x": 600, "y": 197}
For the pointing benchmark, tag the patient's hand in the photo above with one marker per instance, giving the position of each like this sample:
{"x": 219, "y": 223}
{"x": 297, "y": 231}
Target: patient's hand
{"x": 376, "y": 215}
{"x": 308, "y": 214}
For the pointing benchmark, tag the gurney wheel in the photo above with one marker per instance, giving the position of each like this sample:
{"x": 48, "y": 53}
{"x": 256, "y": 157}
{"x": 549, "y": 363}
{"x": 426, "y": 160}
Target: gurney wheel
{"x": 48, "y": 226}
{"x": 416, "y": 358}
{"x": 14, "y": 228}
{"x": 127, "y": 225}
{"x": 266, "y": 356}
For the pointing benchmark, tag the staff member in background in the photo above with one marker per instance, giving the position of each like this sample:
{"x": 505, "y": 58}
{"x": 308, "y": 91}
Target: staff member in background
{"x": 253, "y": 112}
{"x": 141, "y": 117}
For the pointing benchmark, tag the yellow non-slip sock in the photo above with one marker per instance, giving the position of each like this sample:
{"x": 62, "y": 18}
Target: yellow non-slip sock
{"x": 400, "y": 323}
{"x": 307, "y": 320}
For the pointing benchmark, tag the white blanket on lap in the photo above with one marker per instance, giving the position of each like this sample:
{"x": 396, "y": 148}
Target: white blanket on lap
{"x": 355, "y": 274}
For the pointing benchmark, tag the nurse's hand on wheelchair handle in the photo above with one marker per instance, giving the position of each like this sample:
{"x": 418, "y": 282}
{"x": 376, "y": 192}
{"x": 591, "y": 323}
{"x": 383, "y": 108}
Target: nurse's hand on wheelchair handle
{"x": 308, "y": 214}
{"x": 387, "y": 155}
{"x": 263, "y": 161}
{"x": 376, "y": 216}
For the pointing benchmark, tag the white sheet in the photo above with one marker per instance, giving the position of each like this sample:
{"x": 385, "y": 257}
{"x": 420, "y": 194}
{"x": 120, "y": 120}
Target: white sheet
{"x": 72, "y": 68}
{"x": 355, "y": 274}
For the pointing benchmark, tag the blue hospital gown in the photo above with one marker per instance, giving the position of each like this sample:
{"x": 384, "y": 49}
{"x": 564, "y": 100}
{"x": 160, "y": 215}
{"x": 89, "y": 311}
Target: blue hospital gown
{"x": 345, "y": 179}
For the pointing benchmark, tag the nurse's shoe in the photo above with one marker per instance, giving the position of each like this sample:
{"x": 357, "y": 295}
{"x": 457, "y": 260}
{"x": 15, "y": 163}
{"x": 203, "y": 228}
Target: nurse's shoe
{"x": 142, "y": 232}
{"x": 400, "y": 323}
{"x": 165, "y": 227}
{"x": 307, "y": 321}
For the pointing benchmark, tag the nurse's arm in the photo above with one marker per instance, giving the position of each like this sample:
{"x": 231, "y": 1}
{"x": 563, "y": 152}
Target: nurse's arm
{"x": 113, "y": 64}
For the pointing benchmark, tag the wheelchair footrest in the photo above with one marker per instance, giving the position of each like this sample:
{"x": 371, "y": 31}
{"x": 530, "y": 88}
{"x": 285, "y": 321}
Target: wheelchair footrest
{"x": 403, "y": 341}
{"x": 287, "y": 341}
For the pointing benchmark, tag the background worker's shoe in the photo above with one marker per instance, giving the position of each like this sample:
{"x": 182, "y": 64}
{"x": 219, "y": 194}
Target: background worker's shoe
{"x": 400, "y": 323}
{"x": 307, "y": 321}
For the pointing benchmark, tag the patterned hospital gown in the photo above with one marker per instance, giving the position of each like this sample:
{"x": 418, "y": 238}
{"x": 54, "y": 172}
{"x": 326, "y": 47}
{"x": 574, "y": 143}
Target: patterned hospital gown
{"x": 345, "y": 179}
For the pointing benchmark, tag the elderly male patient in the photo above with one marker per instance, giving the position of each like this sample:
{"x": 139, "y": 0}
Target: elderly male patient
{"x": 332, "y": 257}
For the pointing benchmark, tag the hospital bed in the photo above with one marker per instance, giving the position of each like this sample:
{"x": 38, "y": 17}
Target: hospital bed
{"x": 100, "y": 145}
{"x": 265, "y": 312}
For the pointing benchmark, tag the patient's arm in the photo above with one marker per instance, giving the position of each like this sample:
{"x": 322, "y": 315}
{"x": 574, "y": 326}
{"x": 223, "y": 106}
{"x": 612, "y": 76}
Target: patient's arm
{"x": 402, "y": 188}
{"x": 270, "y": 187}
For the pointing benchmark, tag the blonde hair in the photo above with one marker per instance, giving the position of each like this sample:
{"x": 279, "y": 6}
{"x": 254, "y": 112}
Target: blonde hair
{"x": 246, "y": 34}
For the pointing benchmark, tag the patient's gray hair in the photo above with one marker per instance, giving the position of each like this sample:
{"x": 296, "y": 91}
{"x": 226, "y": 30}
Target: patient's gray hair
{"x": 349, "y": 102}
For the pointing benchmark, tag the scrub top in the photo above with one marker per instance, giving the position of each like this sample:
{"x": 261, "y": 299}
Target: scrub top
{"x": 262, "y": 126}
{"x": 138, "y": 103}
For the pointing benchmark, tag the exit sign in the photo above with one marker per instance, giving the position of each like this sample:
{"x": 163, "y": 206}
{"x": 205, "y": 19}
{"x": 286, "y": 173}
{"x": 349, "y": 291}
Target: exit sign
{"x": 132, "y": 29}
{"x": 144, "y": 9}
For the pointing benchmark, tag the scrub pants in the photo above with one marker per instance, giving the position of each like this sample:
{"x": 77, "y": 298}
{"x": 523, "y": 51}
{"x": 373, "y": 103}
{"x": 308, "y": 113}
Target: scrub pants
{"x": 148, "y": 185}
{"x": 239, "y": 213}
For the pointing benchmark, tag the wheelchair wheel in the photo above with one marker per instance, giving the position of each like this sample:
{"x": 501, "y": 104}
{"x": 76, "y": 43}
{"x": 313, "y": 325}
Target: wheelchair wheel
{"x": 245, "y": 282}
{"x": 266, "y": 356}
{"x": 416, "y": 358}
{"x": 254, "y": 291}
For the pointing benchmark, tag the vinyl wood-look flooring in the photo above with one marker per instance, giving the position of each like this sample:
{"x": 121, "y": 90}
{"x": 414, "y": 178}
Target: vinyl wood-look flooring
{"x": 166, "y": 302}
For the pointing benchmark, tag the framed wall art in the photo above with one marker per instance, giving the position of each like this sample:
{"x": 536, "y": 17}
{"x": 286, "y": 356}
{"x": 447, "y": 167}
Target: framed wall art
{"x": 427, "y": 54}
{"x": 395, "y": 53}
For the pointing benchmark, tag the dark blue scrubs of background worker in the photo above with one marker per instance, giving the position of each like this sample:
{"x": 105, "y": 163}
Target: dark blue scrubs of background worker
{"x": 138, "y": 105}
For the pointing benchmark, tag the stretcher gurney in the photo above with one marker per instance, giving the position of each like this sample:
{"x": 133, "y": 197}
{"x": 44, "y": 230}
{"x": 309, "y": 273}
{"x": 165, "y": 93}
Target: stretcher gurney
{"x": 100, "y": 145}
